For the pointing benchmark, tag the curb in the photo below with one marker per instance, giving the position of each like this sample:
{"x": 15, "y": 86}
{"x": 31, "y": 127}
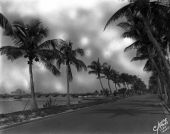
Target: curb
{"x": 46, "y": 117}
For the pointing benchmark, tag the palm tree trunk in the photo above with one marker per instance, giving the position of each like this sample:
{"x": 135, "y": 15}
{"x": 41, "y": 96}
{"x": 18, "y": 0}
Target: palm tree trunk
{"x": 127, "y": 86}
{"x": 68, "y": 88}
{"x": 158, "y": 48}
{"x": 159, "y": 87}
{"x": 165, "y": 84}
{"x": 162, "y": 79}
{"x": 109, "y": 86}
{"x": 158, "y": 72}
{"x": 116, "y": 87}
{"x": 168, "y": 100}
{"x": 34, "y": 102}
{"x": 101, "y": 83}
{"x": 166, "y": 94}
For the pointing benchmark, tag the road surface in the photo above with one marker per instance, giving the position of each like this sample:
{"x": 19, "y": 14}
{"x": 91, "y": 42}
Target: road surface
{"x": 133, "y": 115}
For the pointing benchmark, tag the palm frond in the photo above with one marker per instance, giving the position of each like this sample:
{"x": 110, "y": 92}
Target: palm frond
{"x": 139, "y": 58}
{"x": 130, "y": 34}
{"x": 120, "y": 13}
{"x": 48, "y": 54}
{"x": 94, "y": 63}
{"x": 55, "y": 44}
{"x": 93, "y": 72}
{"x": 50, "y": 66}
{"x": 5, "y": 24}
{"x": 105, "y": 64}
{"x": 37, "y": 31}
{"x": 124, "y": 25}
{"x": 11, "y": 52}
{"x": 80, "y": 65}
{"x": 79, "y": 51}
{"x": 134, "y": 45}
{"x": 19, "y": 28}
{"x": 148, "y": 67}
{"x": 17, "y": 41}
{"x": 93, "y": 67}
{"x": 20, "y": 34}
{"x": 101, "y": 77}
{"x": 90, "y": 66}
{"x": 59, "y": 62}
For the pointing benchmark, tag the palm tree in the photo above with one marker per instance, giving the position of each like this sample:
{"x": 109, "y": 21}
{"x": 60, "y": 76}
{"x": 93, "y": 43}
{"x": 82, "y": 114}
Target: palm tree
{"x": 133, "y": 80}
{"x": 146, "y": 11}
{"x": 96, "y": 68}
{"x": 145, "y": 50}
{"x": 124, "y": 80}
{"x": 139, "y": 86}
{"x": 151, "y": 14}
{"x": 137, "y": 26}
{"x": 69, "y": 56}
{"x": 115, "y": 78}
{"x": 28, "y": 43}
{"x": 107, "y": 71}
{"x": 153, "y": 64}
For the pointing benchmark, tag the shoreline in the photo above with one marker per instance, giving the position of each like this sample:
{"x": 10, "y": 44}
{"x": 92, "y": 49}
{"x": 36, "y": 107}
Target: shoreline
{"x": 21, "y": 117}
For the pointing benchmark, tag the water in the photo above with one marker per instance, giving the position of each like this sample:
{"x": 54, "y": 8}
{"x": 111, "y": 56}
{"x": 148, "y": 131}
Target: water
{"x": 13, "y": 105}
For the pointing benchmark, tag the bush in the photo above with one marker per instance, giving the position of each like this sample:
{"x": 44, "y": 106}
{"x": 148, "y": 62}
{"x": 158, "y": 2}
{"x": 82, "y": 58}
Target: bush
{"x": 49, "y": 103}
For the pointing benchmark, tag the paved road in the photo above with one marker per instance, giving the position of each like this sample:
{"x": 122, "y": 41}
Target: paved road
{"x": 134, "y": 115}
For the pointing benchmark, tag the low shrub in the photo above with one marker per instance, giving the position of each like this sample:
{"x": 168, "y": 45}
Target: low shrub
{"x": 49, "y": 103}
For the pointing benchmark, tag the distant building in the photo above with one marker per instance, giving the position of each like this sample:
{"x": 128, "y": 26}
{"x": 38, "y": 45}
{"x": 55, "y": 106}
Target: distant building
{"x": 18, "y": 92}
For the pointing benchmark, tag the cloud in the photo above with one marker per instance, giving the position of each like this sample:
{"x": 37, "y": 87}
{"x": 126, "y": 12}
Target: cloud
{"x": 80, "y": 21}
{"x": 85, "y": 79}
{"x": 84, "y": 41}
{"x": 116, "y": 45}
{"x": 14, "y": 77}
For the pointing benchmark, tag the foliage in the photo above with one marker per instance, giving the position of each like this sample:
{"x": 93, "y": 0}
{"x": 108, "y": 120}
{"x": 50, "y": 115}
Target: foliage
{"x": 49, "y": 103}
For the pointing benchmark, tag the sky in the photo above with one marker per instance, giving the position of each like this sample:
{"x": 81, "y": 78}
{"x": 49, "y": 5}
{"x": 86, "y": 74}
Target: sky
{"x": 83, "y": 23}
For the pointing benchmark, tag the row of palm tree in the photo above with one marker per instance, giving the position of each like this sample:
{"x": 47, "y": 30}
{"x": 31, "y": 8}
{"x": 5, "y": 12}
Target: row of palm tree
{"x": 147, "y": 22}
{"x": 28, "y": 40}
{"x": 104, "y": 70}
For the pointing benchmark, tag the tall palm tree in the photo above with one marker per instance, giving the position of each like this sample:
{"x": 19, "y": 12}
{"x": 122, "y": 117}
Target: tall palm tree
{"x": 69, "y": 56}
{"x": 27, "y": 39}
{"x": 151, "y": 13}
{"x": 148, "y": 12}
{"x": 145, "y": 49}
{"x": 96, "y": 68}
{"x": 107, "y": 71}
{"x": 115, "y": 78}
{"x": 142, "y": 25}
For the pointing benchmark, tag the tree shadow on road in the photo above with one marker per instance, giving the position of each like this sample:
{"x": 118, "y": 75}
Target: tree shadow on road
{"x": 132, "y": 108}
{"x": 124, "y": 111}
